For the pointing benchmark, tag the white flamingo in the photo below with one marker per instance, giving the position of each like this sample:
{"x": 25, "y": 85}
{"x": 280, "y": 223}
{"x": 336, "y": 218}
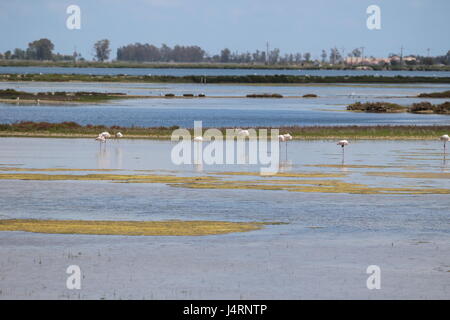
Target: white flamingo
{"x": 287, "y": 137}
{"x": 105, "y": 135}
{"x": 281, "y": 138}
{"x": 101, "y": 139}
{"x": 445, "y": 138}
{"x": 244, "y": 133}
{"x": 198, "y": 139}
{"x": 343, "y": 143}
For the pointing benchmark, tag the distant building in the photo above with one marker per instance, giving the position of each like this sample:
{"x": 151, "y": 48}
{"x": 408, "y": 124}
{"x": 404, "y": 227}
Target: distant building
{"x": 366, "y": 60}
{"x": 379, "y": 61}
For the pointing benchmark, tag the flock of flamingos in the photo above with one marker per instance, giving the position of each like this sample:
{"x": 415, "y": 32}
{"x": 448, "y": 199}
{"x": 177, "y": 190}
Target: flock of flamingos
{"x": 102, "y": 137}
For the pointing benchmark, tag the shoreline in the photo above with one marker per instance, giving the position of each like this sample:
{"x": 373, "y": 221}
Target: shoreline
{"x": 74, "y": 130}
{"x": 4, "y": 134}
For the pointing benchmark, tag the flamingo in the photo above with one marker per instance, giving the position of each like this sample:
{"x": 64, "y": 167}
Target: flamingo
{"x": 281, "y": 138}
{"x": 101, "y": 139}
{"x": 198, "y": 139}
{"x": 287, "y": 137}
{"x": 119, "y": 135}
{"x": 244, "y": 133}
{"x": 105, "y": 135}
{"x": 343, "y": 143}
{"x": 445, "y": 138}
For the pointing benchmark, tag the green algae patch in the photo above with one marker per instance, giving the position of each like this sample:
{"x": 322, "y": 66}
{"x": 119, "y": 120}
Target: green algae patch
{"x": 415, "y": 175}
{"x": 130, "y": 228}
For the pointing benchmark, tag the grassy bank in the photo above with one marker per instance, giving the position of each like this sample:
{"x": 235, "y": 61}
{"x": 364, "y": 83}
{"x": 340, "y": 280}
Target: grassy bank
{"x": 10, "y": 95}
{"x": 264, "y": 79}
{"x": 74, "y": 130}
{"x": 444, "y": 94}
{"x": 386, "y": 107}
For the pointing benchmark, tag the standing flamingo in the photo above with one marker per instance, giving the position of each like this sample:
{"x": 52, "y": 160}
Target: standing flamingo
{"x": 281, "y": 138}
{"x": 105, "y": 135}
{"x": 445, "y": 138}
{"x": 244, "y": 133}
{"x": 101, "y": 139}
{"x": 343, "y": 143}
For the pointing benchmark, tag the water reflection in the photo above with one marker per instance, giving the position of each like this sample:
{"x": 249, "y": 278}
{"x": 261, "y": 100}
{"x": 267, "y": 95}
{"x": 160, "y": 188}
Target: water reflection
{"x": 109, "y": 157}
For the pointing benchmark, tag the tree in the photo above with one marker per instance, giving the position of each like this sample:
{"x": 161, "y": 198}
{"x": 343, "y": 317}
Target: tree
{"x": 323, "y": 56}
{"x": 40, "y": 49}
{"x": 225, "y": 55}
{"x": 102, "y": 50}
{"x": 357, "y": 53}
{"x": 307, "y": 56}
{"x": 335, "y": 56}
{"x": 274, "y": 55}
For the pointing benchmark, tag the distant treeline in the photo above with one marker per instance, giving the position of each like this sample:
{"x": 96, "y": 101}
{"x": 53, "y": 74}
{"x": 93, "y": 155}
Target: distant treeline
{"x": 42, "y": 50}
{"x": 139, "y": 52}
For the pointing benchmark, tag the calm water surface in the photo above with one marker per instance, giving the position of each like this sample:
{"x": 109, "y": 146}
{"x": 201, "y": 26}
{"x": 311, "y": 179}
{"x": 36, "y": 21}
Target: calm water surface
{"x": 327, "y": 109}
{"x": 334, "y": 212}
{"x": 221, "y": 72}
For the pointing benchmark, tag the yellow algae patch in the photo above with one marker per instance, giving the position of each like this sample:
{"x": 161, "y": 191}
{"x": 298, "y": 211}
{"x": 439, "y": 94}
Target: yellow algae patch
{"x": 284, "y": 174}
{"x": 332, "y": 186}
{"x": 351, "y": 166}
{"x": 100, "y": 177}
{"x": 52, "y": 169}
{"x": 129, "y": 228}
{"x": 415, "y": 175}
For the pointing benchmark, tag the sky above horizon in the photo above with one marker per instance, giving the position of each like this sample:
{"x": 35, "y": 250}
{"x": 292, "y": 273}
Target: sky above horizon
{"x": 244, "y": 25}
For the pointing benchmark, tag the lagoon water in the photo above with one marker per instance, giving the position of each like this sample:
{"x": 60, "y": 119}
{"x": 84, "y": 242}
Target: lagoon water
{"x": 220, "y": 72}
{"x": 321, "y": 252}
{"x": 224, "y": 109}
{"x": 80, "y": 200}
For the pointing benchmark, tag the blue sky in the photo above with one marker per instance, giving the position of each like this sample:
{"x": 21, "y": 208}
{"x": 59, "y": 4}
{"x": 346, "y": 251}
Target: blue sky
{"x": 290, "y": 25}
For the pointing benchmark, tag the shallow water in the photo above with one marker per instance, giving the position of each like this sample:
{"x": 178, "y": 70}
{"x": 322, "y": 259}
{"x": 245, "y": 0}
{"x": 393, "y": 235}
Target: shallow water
{"x": 341, "y": 212}
{"x": 327, "y": 109}
{"x": 321, "y": 253}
